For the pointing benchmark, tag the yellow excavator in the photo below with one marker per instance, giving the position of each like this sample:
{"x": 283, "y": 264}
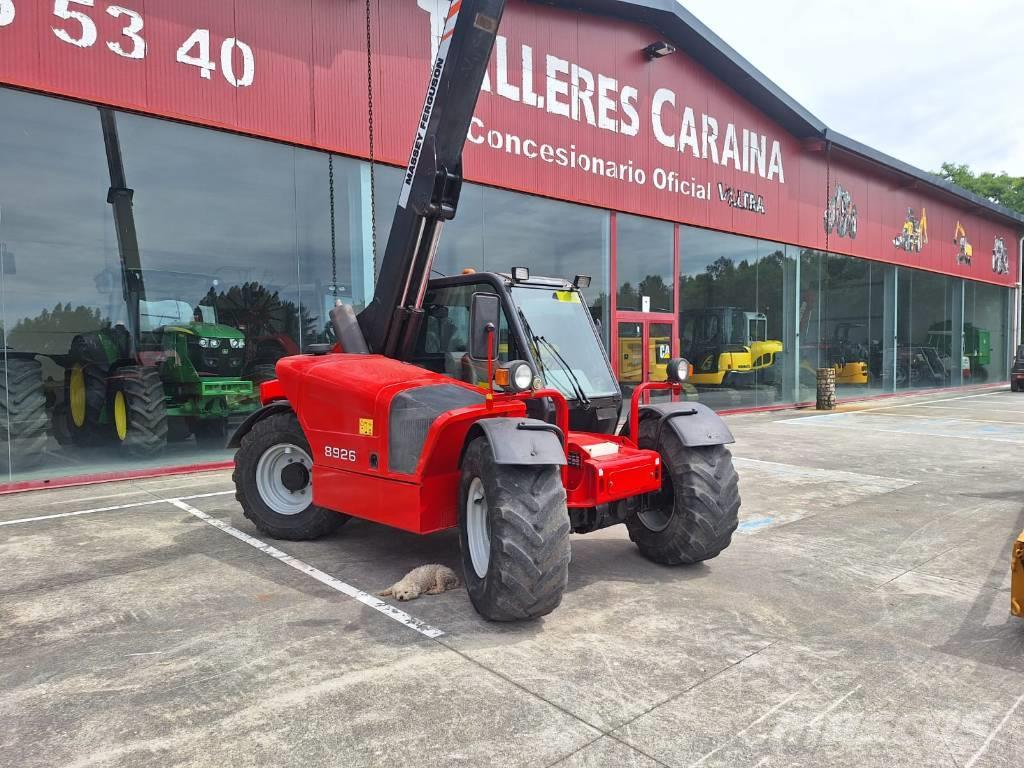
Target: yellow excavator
{"x": 1017, "y": 577}
{"x": 729, "y": 347}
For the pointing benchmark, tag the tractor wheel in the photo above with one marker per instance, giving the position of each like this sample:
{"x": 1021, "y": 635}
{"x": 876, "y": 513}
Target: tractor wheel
{"x": 85, "y": 394}
{"x": 514, "y": 536}
{"x": 23, "y": 421}
{"x": 211, "y": 433}
{"x": 693, "y": 516}
{"x": 138, "y": 414}
{"x": 274, "y": 482}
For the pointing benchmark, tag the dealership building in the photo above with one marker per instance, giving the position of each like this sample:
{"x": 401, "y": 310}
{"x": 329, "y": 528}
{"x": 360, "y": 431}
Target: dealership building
{"x": 207, "y": 168}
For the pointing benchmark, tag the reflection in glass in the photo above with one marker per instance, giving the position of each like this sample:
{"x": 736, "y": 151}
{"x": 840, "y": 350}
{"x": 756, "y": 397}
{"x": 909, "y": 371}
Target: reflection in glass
{"x": 733, "y": 326}
{"x": 644, "y": 264}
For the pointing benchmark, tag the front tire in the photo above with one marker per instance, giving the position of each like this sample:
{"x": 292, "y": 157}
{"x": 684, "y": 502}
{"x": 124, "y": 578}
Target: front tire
{"x": 514, "y": 536}
{"x": 85, "y": 393}
{"x": 274, "y": 482}
{"x": 693, "y": 517}
{"x": 138, "y": 414}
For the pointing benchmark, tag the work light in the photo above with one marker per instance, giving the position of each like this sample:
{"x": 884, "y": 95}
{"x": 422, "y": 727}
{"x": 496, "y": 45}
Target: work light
{"x": 678, "y": 370}
{"x": 516, "y": 376}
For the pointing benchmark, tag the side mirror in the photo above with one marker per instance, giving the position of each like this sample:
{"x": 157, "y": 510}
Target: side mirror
{"x": 484, "y": 316}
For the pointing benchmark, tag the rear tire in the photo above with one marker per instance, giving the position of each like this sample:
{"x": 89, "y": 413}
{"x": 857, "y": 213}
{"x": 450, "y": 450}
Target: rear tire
{"x": 23, "y": 421}
{"x": 138, "y": 414}
{"x": 272, "y": 495}
{"x": 693, "y": 517}
{"x": 523, "y": 567}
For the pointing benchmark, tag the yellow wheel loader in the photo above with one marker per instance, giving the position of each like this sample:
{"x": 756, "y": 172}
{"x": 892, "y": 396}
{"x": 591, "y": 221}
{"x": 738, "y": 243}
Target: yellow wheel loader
{"x": 729, "y": 347}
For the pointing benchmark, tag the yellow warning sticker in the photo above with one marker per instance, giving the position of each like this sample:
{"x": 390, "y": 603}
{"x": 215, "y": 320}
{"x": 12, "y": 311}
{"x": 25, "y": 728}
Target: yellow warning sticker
{"x": 569, "y": 297}
{"x": 366, "y": 427}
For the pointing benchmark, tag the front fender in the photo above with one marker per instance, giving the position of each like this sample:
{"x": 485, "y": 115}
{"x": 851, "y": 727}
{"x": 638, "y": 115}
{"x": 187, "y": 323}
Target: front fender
{"x": 521, "y": 441}
{"x": 278, "y": 406}
{"x": 694, "y": 423}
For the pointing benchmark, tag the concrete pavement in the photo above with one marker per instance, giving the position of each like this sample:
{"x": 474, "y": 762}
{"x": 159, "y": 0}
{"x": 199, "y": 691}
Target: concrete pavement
{"x": 860, "y": 618}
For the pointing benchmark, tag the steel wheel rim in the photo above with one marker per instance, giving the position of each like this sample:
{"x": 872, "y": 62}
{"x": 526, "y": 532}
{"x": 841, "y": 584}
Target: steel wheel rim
{"x": 120, "y": 416}
{"x": 77, "y": 396}
{"x": 270, "y": 482}
{"x": 478, "y": 527}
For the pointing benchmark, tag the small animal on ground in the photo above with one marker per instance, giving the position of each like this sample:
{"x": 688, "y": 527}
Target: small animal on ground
{"x": 425, "y": 580}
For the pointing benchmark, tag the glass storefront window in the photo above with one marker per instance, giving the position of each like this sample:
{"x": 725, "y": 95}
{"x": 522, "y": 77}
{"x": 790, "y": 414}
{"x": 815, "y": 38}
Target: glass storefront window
{"x": 845, "y": 306}
{"x": 644, "y": 264}
{"x": 928, "y": 335}
{"x": 733, "y": 324}
{"x": 143, "y": 259}
{"x": 986, "y": 332}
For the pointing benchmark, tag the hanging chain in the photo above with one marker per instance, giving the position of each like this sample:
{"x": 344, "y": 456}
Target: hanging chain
{"x": 334, "y": 242}
{"x": 373, "y": 175}
{"x": 828, "y": 189}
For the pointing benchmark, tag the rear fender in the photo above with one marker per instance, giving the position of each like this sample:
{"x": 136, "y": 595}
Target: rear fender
{"x": 695, "y": 424}
{"x": 521, "y": 441}
{"x": 278, "y": 406}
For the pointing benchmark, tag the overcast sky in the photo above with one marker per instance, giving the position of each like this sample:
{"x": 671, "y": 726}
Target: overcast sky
{"x": 922, "y": 80}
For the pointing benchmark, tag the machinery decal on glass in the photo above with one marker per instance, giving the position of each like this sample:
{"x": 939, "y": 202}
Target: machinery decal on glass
{"x": 965, "y": 249}
{"x": 914, "y": 235}
{"x": 841, "y": 214}
{"x": 1000, "y": 257}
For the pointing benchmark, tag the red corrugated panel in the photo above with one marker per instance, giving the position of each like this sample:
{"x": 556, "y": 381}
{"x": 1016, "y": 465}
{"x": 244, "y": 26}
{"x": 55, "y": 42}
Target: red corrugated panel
{"x": 309, "y": 86}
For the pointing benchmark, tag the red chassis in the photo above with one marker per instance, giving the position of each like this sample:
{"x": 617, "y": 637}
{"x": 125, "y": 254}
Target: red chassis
{"x": 347, "y": 403}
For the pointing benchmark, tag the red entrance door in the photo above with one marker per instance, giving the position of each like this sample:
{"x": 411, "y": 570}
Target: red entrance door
{"x": 643, "y": 344}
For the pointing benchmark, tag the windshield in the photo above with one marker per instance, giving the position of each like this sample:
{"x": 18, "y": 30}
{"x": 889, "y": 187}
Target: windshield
{"x": 562, "y": 337}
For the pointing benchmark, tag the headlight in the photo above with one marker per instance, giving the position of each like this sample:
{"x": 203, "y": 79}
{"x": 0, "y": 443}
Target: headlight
{"x": 522, "y": 377}
{"x": 516, "y": 376}
{"x": 204, "y": 343}
{"x": 237, "y": 343}
{"x": 214, "y": 343}
{"x": 677, "y": 370}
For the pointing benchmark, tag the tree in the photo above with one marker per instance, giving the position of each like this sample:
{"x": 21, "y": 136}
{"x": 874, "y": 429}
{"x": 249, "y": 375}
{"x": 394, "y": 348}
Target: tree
{"x": 1000, "y": 188}
{"x": 50, "y": 332}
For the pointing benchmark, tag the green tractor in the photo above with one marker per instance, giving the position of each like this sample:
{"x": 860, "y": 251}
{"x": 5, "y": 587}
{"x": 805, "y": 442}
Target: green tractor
{"x": 169, "y": 370}
{"x": 181, "y": 376}
{"x": 976, "y": 354}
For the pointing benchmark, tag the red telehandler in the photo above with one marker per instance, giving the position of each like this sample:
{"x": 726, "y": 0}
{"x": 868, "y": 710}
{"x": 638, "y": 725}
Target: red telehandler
{"x": 484, "y": 401}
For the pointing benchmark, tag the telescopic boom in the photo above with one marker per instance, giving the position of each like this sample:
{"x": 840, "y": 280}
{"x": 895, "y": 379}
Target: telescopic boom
{"x": 430, "y": 190}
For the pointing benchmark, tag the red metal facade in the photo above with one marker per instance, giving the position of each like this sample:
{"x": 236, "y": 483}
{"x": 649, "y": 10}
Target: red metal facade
{"x": 570, "y": 96}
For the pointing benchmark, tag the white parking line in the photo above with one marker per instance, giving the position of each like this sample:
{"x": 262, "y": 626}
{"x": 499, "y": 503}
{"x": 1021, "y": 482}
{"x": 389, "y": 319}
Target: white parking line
{"x": 919, "y": 403}
{"x": 993, "y": 732}
{"x": 366, "y": 599}
{"x": 108, "y": 509}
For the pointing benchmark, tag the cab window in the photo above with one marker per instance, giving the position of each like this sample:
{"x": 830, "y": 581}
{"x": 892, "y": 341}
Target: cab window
{"x": 443, "y": 343}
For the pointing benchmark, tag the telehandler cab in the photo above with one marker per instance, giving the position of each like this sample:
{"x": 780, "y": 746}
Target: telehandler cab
{"x": 484, "y": 401}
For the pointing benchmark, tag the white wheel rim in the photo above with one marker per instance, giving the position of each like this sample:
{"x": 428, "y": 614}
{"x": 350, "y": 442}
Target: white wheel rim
{"x": 478, "y": 527}
{"x": 270, "y": 479}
